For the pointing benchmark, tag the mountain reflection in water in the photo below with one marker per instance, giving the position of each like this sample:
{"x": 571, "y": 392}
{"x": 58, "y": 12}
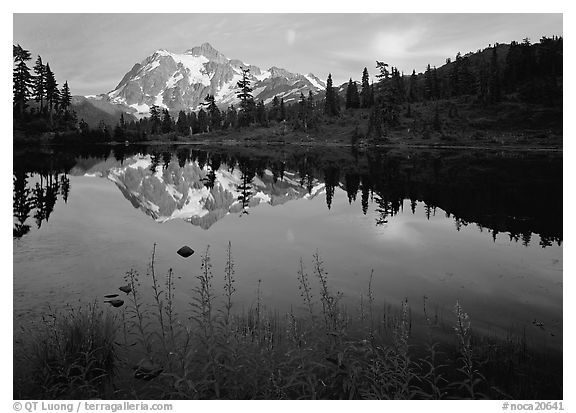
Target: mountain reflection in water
{"x": 503, "y": 192}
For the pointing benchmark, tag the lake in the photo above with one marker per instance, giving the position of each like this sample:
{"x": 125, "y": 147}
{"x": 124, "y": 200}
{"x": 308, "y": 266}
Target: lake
{"x": 483, "y": 227}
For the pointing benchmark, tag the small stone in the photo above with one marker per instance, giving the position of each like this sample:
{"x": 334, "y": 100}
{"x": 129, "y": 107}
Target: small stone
{"x": 185, "y": 251}
{"x": 115, "y": 303}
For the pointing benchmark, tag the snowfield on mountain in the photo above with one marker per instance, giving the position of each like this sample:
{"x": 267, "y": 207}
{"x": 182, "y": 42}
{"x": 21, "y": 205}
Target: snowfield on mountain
{"x": 181, "y": 81}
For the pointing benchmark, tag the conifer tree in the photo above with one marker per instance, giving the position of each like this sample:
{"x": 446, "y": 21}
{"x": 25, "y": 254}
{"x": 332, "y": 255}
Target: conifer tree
{"x": 310, "y": 101}
{"x": 52, "y": 92}
{"x": 302, "y": 117}
{"x": 155, "y": 118}
{"x": 435, "y": 84}
{"x": 65, "y": 97}
{"x": 39, "y": 82}
{"x": 275, "y": 110}
{"x": 261, "y": 116}
{"x": 282, "y": 110}
{"x": 331, "y": 101}
{"x": 246, "y": 99}
{"x": 232, "y": 117}
{"x": 366, "y": 92}
{"x": 352, "y": 97}
{"x": 192, "y": 122}
{"x": 413, "y": 92}
{"x": 166, "y": 121}
{"x": 428, "y": 83}
{"x": 214, "y": 115}
{"x": 202, "y": 121}
{"x": 182, "y": 123}
{"x": 22, "y": 78}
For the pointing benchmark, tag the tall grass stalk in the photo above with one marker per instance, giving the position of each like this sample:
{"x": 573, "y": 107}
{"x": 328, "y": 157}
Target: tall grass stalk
{"x": 463, "y": 332}
{"x": 169, "y": 308}
{"x": 305, "y": 290}
{"x": 202, "y": 300}
{"x": 371, "y": 305}
{"x": 329, "y": 301}
{"x": 157, "y": 298}
{"x": 139, "y": 315}
{"x": 228, "y": 284}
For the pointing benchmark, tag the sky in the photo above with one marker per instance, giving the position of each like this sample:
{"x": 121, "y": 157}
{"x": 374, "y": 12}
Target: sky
{"x": 94, "y": 51}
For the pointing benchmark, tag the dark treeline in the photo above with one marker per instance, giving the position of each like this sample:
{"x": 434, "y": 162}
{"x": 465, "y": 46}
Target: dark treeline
{"x": 39, "y": 106}
{"x": 517, "y": 73}
{"x": 517, "y": 194}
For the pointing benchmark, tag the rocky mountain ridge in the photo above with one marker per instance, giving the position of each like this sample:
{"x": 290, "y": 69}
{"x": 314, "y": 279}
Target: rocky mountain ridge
{"x": 182, "y": 81}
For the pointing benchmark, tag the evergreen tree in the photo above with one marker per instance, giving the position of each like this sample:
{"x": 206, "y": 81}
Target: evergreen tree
{"x": 182, "y": 124}
{"x": 282, "y": 115}
{"x": 310, "y": 101}
{"x": 214, "y": 115}
{"x": 261, "y": 117}
{"x": 155, "y": 119}
{"x": 366, "y": 90}
{"x": 232, "y": 117}
{"x": 192, "y": 122}
{"x": 65, "y": 97}
{"x": 413, "y": 86}
{"x": 435, "y": 84}
{"x": 166, "y": 121}
{"x": 52, "y": 92}
{"x": 428, "y": 83}
{"x": 22, "y": 78}
{"x": 275, "y": 110}
{"x": 352, "y": 97}
{"x": 246, "y": 99}
{"x": 84, "y": 128}
{"x": 390, "y": 96}
{"x": 331, "y": 101}
{"x": 39, "y": 82}
{"x": 202, "y": 121}
{"x": 302, "y": 117}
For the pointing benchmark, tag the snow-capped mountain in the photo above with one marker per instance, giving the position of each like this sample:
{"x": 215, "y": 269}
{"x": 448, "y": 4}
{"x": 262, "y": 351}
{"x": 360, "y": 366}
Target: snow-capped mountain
{"x": 180, "y": 192}
{"x": 182, "y": 81}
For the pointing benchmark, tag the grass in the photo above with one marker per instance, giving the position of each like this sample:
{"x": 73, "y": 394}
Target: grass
{"x": 72, "y": 354}
{"x": 210, "y": 351}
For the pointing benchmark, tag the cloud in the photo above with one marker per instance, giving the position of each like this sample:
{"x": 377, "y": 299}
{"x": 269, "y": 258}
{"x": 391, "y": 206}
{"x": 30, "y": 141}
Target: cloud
{"x": 397, "y": 44}
{"x": 290, "y": 36}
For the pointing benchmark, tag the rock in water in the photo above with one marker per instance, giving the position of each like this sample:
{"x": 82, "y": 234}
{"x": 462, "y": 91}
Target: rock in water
{"x": 185, "y": 251}
{"x": 126, "y": 289}
{"x": 115, "y": 303}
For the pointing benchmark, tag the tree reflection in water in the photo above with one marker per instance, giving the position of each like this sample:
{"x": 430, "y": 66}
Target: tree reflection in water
{"x": 502, "y": 192}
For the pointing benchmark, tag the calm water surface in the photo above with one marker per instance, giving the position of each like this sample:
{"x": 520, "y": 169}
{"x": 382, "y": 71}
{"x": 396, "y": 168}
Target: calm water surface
{"x": 484, "y": 228}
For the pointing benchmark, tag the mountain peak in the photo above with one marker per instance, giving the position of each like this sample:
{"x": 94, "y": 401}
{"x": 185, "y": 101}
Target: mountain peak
{"x": 208, "y": 51}
{"x": 181, "y": 81}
